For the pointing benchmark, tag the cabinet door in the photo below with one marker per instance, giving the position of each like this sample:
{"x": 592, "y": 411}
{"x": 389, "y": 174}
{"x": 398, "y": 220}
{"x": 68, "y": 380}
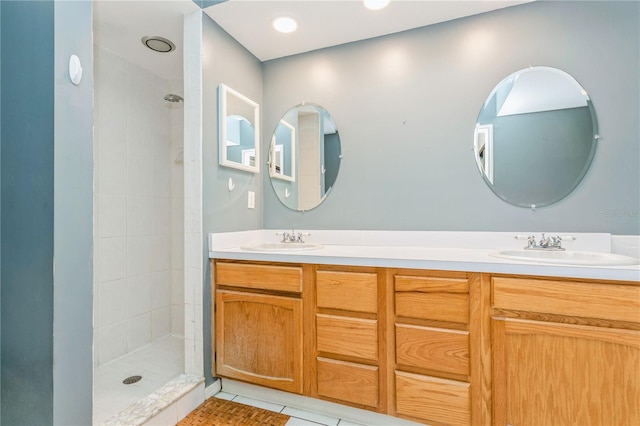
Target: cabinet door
{"x": 550, "y": 374}
{"x": 259, "y": 339}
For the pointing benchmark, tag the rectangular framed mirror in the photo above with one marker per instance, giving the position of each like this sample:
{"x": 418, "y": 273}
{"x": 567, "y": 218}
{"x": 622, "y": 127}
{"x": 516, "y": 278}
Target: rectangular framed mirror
{"x": 239, "y": 130}
{"x": 282, "y": 161}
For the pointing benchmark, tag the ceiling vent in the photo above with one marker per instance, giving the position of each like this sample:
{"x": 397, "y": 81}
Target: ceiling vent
{"x": 158, "y": 44}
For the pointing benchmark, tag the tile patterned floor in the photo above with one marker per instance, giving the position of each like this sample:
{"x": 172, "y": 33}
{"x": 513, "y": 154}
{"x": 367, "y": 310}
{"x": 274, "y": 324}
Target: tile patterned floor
{"x": 298, "y": 417}
{"x": 157, "y": 363}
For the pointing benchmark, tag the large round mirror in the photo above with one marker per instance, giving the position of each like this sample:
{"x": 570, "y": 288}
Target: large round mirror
{"x": 535, "y": 136}
{"x": 304, "y": 157}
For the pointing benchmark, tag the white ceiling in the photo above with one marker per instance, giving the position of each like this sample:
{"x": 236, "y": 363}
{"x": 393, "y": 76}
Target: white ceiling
{"x": 324, "y": 23}
{"x": 120, "y": 24}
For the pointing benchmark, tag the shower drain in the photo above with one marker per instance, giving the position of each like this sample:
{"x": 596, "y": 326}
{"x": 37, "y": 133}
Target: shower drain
{"x": 131, "y": 380}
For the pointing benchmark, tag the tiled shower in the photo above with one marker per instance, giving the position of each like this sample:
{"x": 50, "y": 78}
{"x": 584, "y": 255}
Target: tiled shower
{"x": 139, "y": 219}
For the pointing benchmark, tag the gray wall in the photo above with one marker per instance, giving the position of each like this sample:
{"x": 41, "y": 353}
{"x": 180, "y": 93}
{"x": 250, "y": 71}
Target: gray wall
{"x": 73, "y": 218}
{"x": 406, "y": 107}
{"x": 225, "y": 61}
{"x": 46, "y": 184}
{"x": 27, "y": 215}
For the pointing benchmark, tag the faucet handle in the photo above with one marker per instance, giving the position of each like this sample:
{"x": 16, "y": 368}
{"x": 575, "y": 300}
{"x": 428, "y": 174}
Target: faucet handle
{"x": 531, "y": 239}
{"x": 300, "y": 235}
{"x": 285, "y": 236}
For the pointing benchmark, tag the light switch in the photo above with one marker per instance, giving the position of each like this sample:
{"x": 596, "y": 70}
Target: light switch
{"x": 251, "y": 200}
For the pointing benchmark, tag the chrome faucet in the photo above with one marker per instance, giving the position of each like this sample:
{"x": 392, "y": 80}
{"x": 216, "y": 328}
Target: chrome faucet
{"x": 546, "y": 243}
{"x": 292, "y": 237}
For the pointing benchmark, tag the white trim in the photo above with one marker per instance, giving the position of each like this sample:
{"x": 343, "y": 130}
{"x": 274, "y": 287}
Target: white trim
{"x": 213, "y": 389}
{"x": 223, "y": 93}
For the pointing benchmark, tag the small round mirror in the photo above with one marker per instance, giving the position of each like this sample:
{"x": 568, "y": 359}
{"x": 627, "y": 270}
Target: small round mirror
{"x": 304, "y": 157}
{"x": 535, "y": 137}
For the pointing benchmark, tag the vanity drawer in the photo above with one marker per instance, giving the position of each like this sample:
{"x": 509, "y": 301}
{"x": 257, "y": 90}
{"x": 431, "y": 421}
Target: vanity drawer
{"x": 258, "y": 276}
{"x": 449, "y": 283}
{"x": 348, "y": 381}
{"x": 433, "y": 400}
{"x": 354, "y": 337}
{"x": 351, "y": 291}
{"x": 440, "y": 298}
{"x": 433, "y": 348}
{"x": 433, "y": 306}
{"x": 616, "y": 302}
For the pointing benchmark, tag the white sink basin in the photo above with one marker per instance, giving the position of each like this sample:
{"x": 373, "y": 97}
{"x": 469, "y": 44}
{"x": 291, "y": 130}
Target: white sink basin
{"x": 280, "y": 246}
{"x": 587, "y": 258}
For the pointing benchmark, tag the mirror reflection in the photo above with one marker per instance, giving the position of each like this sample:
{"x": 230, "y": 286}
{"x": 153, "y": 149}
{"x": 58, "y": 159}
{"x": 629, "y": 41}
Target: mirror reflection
{"x": 239, "y": 131}
{"x": 535, "y": 136}
{"x": 283, "y": 152}
{"x": 304, "y": 157}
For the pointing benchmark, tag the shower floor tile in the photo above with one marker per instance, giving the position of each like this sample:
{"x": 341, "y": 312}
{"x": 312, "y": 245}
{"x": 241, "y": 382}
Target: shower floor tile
{"x": 157, "y": 363}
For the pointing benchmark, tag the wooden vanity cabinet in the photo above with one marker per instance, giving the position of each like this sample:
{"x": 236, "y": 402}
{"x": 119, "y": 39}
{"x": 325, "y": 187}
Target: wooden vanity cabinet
{"x": 350, "y": 319}
{"x": 432, "y": 346}
{"x": 565, "y": 352}
{"x": 436, "y": 347}
{"x": 259, "y": 323}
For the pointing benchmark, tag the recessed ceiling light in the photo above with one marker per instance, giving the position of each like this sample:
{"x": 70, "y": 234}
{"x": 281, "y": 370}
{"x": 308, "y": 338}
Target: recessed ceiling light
{"x": 376, "y": 4}
{"x": 285, "y": 24}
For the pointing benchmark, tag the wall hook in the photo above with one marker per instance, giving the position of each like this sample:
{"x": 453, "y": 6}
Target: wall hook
{"x": 231, "y": 184}
{"x": 286, "y": 193}
{"x": 533, "y": 207}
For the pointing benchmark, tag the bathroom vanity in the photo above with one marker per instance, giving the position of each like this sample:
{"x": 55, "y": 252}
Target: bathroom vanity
{"x": 433, "y": 345}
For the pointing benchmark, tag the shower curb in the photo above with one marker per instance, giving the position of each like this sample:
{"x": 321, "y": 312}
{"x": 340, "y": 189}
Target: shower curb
{"x": 148, "y": 407}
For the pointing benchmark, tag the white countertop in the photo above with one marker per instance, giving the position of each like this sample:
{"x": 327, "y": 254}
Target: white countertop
{"x": 453, "y": 251}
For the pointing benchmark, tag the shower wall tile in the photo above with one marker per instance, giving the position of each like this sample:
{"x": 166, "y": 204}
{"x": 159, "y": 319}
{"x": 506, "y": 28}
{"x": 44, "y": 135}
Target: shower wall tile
{"x": 139, "y": 255}
{"x": 139, "y": 215}
{"x": 198, "y": 324}
{"x": 160, "y": 289}
{"x": 140, "y": 91}
{"x": 113, "y": 342}
{"x": 177, "y": 219}
{"x": 112, "y": 258}
{"x": 193, "y": 252}
{"x": 138, "y": 331}
{"x": 113, "y": 306}
{"x": 189, "y": 322}
{"x": 189, "y": 356}
{"x": 113, "y": 215}
{"x": 161, "y": 219}
{"x": 138, "y": 295}
{"x": 177, "y": 179}
{"x": 138, "y": 207}
{"x": 193, "y": 177}
{"x": 112, "y": 167}
{"x": 139, "y": 172}
{"x": 160, "y": 322}
{"x": 177, "y": 252}
{"x": 161, "y": 167}
{"x": 191, "y": 274}
{"x": 161, "y": 252}
{"x": 177, "y": 320}
{"x": 177, "y": 287}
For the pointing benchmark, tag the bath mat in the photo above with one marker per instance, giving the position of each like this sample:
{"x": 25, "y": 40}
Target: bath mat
{"x": 220, "y": 412}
